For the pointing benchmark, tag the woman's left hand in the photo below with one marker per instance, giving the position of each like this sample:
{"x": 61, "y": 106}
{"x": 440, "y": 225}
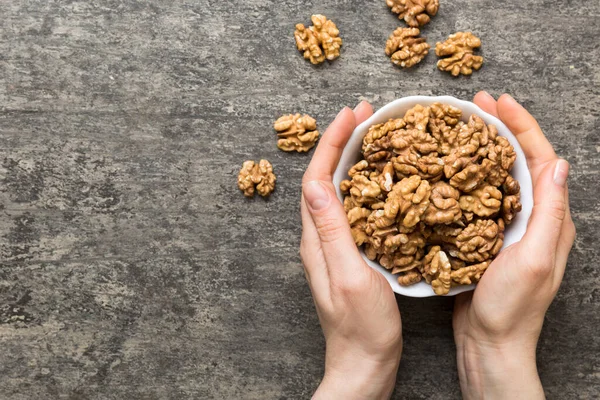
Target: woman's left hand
{"x": 356, "y": 305}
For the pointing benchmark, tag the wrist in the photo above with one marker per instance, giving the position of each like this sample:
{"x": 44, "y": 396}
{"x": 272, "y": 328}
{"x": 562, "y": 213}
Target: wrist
{"x": 363, "y": 379}
{"x": 489, "y": 370}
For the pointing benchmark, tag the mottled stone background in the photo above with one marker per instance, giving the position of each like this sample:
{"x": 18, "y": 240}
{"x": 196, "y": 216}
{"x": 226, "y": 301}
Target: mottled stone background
{"x": 131, "y": 267}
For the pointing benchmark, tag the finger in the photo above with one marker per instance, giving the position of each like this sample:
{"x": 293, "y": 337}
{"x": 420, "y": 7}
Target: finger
{"x": 315, "y": 266}
{"x": 362, "y": 112}
{"x": 486, "y": 102}
{"x": 536, "y": 147}
{"x": 332, "y": 227}
{"x": 567, "y": 238}
{"x": 328, "y": 152}
{"x": 548, "y": 216}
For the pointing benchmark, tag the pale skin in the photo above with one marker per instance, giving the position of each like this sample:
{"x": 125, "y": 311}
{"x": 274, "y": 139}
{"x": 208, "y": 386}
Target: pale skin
{"x": 496, "y": 327}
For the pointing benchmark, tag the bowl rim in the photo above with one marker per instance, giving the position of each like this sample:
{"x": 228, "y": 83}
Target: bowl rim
{"x": 519, "y": 225}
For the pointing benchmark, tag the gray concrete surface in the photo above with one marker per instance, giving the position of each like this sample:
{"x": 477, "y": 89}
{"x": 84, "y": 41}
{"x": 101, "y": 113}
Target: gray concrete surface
{"x": 131, "y": 267}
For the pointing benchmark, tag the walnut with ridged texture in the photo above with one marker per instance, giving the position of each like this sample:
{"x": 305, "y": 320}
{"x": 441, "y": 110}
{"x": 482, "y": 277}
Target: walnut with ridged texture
{"x": 456, "y": 54}
{"x": 409, "y": 278}
{"x": 413, "y": 139}
{"x": 484, "y": 201}
{"x": 411, "y": 163}
{"x": 502, "y": 154}
{"x": 362, "y": 190}
{"x": 479, "y": 241}
{"x": 405, "y": 48}
{"x": 296, "y": 132}
{"x": 443, "y": 205}
{"x": 431, "y": 181}
{"x": 320, "y": 41}
{"x": 444, "y": 125}
{"x": 469, "y": 274}
{"x": 379, "y": 131}
{"x": 471, "y": 176}
{"x": 472, "y": 136}
{"x": 511, "y": 205}
{"x": 259, "y": 177}
{"x": 357, "y": 218}
{"x": 417, "y": 118}
{"x": 408, "y": 200}
{"x": 436, "y": 270}
{"x": 414, "y": 12}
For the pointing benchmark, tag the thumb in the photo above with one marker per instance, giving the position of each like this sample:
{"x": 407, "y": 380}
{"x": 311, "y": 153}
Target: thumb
{"x": 333, "y": 229}
{"x": 549, "y": 213}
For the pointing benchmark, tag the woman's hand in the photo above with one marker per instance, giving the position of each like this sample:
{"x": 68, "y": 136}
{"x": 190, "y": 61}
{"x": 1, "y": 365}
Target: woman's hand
{"x": 356, "y": 306}
{"x": 496, "y": 327}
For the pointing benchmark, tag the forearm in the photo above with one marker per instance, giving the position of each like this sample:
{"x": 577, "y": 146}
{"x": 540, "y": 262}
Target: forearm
{"x": 488, "y": 371}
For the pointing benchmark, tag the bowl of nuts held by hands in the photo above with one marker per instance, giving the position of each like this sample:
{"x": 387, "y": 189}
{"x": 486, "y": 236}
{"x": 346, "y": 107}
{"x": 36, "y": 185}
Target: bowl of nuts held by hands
{"x": 434, "y": 188}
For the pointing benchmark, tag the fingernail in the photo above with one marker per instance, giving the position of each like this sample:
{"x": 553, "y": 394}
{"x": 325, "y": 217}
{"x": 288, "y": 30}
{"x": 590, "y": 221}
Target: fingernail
{"x": 316, "y": 195}
{"x": 561, "y": 172}
{"x": 486, "y": 94}
{"x": 358, "y": 106}
{"x": 341, "y": 112}
{"x": 510, "y": 98}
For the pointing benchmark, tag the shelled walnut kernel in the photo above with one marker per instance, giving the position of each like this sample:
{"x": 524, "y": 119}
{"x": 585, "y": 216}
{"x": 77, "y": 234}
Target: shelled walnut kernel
{"x": 414, "y": 12}
{"x": 320, "y": 41}
{"x": 432, "y": 195}
{"x": 256, "y": 176}
{"x": 296, "y": 132}
{"x": 406, "y": 48}
{"x": 458, "y": 52}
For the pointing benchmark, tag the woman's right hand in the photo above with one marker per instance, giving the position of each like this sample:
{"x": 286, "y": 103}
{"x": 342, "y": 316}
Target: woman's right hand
{"x": 496, "y": 327}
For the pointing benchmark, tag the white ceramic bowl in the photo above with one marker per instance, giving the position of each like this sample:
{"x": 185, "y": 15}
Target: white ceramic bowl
{"x": 396, "y": 109}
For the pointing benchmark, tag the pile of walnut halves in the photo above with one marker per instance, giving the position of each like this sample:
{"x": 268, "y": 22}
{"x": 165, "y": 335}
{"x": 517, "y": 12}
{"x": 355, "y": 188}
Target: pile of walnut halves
{"x": 432, "y": 195}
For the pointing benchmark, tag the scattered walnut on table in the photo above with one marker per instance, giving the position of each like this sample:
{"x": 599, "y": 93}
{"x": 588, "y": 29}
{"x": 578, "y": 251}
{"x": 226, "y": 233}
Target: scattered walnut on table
{"x": 320, "y": 41}
{"x": 458, "y": 52}
{"x": 296, "y": 132}
{"x": 256, "y": 176}
{"x": 414, "y": 12}
{"x": 432, "y": 195}
{"x": 406, "y": 48}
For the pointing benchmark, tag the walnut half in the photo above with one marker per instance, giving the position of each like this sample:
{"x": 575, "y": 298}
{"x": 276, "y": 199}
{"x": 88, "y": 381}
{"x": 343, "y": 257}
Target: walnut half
{"x": 259, "y": 176}
{"x": 320, "y": 41}
{"x": 296, "y": 132}
{"x": 406, "y": 48}
{"x": 414, "y": 12}
{"x": 458, "y": 52}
